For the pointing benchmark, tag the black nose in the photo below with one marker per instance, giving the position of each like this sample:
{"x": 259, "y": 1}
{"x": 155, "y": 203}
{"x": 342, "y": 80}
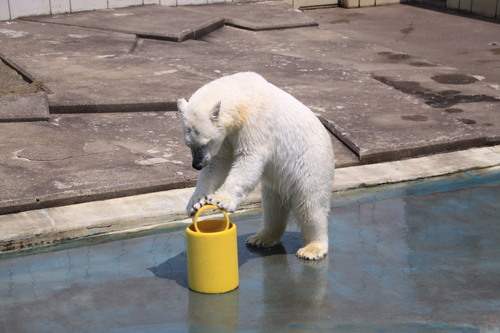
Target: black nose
{"x": 198, "y": 157}
{"x": 197, "y": 166}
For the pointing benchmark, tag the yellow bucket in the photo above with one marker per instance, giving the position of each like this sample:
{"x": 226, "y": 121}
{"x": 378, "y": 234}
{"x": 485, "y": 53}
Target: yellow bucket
{"x": 212, "y": 254}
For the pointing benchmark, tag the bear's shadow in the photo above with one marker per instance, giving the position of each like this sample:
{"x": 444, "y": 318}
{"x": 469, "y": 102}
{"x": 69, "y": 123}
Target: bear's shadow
{"x": 175, "y": 268}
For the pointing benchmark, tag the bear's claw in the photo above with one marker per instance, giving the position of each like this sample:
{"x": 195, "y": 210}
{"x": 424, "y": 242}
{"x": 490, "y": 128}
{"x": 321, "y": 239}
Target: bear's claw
{"x": 222, "y": 202}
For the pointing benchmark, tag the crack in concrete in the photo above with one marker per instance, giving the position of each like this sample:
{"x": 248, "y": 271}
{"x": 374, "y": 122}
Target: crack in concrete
{"x": 18, "y": 156}
{"x": 133, "y": 47}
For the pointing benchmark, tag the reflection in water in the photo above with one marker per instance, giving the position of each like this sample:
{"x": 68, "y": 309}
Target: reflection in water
{"x": 294, "y": 293}
{"x": 369, "y": 272}
{"x": 398, "y": 263}
{"x": 454, "y": 261}
{"x": 220, "y": 313}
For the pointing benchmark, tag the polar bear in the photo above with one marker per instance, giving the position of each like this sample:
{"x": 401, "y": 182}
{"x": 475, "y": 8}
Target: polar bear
{"x": 241, "y": 130}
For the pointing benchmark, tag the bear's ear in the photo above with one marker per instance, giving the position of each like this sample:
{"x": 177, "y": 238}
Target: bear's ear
{"x": 182, "y": 105}
{"x": 215, "y": 111}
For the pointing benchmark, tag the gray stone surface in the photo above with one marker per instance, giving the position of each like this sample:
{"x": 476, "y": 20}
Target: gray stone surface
{"x": 74, "y": 158}
{"x": 463, "y": 42}
{"x": 381, "y": 123}
{"x": 159, "y": 22}
{"x": 190, "y": 22}
{"x": 364, "y": 114}
{"x": 258, "y": 16}
{"x": 13, "y": 83}
{"x": 89, "y": 70}
{"x": 481, "y": 117}
{"x": 81, "y": 157}
{"x": 28, "y": 107}
{"x": 370, "y": 128}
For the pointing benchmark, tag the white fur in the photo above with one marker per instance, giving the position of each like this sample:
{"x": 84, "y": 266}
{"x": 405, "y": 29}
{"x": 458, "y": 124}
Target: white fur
{"x": 242, "y": 130}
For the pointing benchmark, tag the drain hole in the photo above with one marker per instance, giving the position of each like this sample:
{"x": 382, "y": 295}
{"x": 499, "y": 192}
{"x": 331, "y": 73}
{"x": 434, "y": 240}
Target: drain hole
{"x": 454, "y": 79}
{"x": 415, "y": 118}
{"x": 454, "y": 110}
{"x": 450, "y": 92}
{"x": 422, "y": 64}
{"x": 399, "y": 56}
{"x": 467, "y": 121}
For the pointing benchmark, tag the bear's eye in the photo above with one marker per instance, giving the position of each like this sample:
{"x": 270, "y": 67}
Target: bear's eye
{"x": 191, "y": 131}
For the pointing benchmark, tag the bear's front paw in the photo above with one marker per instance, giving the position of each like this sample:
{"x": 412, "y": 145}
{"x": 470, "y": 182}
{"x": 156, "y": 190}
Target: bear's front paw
{"x": 221, "y": 201}
{"x": 313, "y": 251}
{"x": 194, "y": 205}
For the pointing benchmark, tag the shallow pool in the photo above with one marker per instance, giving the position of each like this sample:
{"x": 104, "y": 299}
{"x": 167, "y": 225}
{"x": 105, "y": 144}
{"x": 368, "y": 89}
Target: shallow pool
{"x": 414, "y": 257}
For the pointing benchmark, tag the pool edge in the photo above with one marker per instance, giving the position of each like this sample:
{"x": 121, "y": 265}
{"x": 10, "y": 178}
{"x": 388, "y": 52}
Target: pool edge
{"x": 166, "y": 209}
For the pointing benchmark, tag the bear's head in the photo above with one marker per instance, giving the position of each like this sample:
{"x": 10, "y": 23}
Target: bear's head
{"x": 203, "y": 131}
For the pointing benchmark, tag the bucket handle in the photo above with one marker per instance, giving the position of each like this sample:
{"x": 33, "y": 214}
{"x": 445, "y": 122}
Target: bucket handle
{"x": 204, "y": 208}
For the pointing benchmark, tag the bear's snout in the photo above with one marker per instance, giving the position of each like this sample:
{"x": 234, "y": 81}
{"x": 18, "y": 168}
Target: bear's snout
{"x": 197, "y": 166}
{"x": 199, "y": 157}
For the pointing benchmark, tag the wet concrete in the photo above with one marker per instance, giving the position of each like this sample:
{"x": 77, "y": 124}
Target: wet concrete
{"x": 414, "y": 257}
{"x": 454, "y": 79}
{"x": 442, "y": 99}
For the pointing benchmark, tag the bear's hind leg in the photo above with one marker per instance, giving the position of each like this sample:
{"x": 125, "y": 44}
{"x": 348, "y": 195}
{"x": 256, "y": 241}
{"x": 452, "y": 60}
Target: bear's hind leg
{"x": 313, "y": 222}
{"x": 276, "y": 214}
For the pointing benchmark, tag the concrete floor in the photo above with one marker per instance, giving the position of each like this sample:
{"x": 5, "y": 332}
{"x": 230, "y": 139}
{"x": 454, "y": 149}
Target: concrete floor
{"x": 374, "y": 76}
{"x": 445, "y": 37}
{"x": 412, "y": 257}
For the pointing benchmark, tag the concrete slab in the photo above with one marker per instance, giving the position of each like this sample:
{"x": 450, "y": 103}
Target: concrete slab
{"x": 81, "y": 158}
{"x": 151, "y": 21}
{"x": 28, "y": 107}
{"x": 451, "y": 91}
{"x": 257, "y": 16}
{"x": 394, "y": 126}
{"x": 182, "y": 23}
{"x": 481, "y": 117}
{"x": 145, "y": 75}
{"x": 25, "y": 39}
{"x": 210, "y": 60}
{"x": 315, "y": 43}
{"x": 407, "y": 72}
{"x": 12, "y": 83}
{"x": 342, "y": 96}
{"x": 89, "y": 70}
{"x": 94, "y": 70}
{"x": 145, "y": 83}
{"x": 20, "y": 100}
{"x": 462, "y": 42}
{"x": 131, "y": 84}
{"x": 344, "y": 156}
{"x": 78, "y": 158}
